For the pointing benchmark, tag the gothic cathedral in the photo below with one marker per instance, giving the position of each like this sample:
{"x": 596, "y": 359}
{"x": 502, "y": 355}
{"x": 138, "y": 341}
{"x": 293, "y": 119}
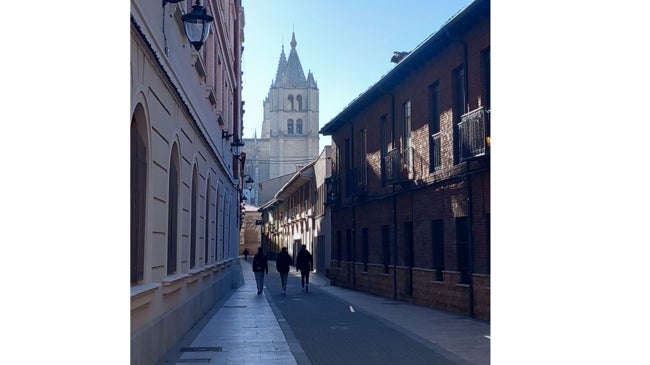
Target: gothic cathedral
{"x": 289, "y": 138}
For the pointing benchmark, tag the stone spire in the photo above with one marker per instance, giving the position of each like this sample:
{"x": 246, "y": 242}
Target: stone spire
{"x": 290, "y": 73}
{"x": 293, "y": 41}
{"x": 282, "y": 65}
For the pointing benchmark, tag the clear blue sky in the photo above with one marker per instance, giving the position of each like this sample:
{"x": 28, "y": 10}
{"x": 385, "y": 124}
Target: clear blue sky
{"x": 346, "y": 44}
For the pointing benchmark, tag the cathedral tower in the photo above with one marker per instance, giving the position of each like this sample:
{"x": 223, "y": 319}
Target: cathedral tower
{"x": 291, "y": 116}
{"x": 289, "y": 138}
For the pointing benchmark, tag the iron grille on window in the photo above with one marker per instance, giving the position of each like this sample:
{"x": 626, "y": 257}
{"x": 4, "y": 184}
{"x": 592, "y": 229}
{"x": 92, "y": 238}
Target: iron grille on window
{"x": 472, "y": 131}
{"x": 435, "y": 161}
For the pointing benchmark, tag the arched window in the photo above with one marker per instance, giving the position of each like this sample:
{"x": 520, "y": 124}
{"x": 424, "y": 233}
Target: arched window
{"x": 290, "y": 126}
{"x": 290, "y": 102}
{"x": 216, "y": 227}
{"x": 172, "y": 212}
{"x": 226, "y": 229}
{"x": 299, "y": 126}
{"x": 193, "y": 219}
{"x": 206, "y": 239}
{"x": 138, "y": 192}
{"x": 299, "y": 101}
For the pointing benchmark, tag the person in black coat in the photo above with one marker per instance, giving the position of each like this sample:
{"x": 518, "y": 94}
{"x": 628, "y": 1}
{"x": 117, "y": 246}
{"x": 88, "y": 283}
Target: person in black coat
{"x": 282, "y": 263}
{"x": 304, "y": 263}
{"x": 260, "y": 266}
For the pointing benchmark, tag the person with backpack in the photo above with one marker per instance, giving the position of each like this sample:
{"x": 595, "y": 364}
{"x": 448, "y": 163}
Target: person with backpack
{"x": 260, "y": 267}
{"x": 304, "y": 263}
{"x": 282, "y": 264}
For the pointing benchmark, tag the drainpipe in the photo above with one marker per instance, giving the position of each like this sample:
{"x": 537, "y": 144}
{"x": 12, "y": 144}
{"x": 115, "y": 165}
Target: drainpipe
{"x": 394, "y": 244}
{"x": 470, "y": 242}
{"x": 354, "y": 250}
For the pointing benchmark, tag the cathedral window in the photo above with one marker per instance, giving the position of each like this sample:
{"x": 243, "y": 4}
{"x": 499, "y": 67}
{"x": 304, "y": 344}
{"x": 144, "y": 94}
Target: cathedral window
{"x": 299, "y": 126}
{"x": 290, "y": 102}
{"x": 299, "y": 101}
{"x": 290, "y": 126}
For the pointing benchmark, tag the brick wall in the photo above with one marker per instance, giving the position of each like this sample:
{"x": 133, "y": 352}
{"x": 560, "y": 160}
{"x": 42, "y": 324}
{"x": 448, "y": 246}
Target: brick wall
{"x": 440, "y": 195}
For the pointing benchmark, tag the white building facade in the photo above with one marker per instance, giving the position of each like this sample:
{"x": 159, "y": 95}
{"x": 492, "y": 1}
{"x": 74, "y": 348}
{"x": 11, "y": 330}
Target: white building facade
{"x": 298, "y": 214}
{"x": 184, "y": 178}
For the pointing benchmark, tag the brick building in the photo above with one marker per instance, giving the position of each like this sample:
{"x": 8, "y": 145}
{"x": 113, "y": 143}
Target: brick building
{"x": 410, "y": 186}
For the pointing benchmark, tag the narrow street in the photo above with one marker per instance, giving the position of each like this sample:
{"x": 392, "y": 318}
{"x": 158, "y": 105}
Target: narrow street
{"x": 332, "y": 331}
{"x": 328, "y": 325}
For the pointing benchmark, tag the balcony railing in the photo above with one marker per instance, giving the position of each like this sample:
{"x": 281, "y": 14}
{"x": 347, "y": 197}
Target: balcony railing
{"x": 356, "y": 182}
{"x": 472, "y": 130}
{"x": 398, "y": 167}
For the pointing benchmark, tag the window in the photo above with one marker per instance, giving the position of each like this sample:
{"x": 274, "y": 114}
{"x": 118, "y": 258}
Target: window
{"x": 487, "y": 223}
{"x": 225, "y": 232}
{"x": 462, "y": 249}
{"x": 193, "y": 220}
{"x": 348, "y": 245}
{"x": 338, "y": 248}
{"x": 485, "y": 66}
{"x": 290, "y": 98}
{"x": 206, "y": 238}
{"x": 362, "y": 178}
{"x": 172, "y": 213}
{"x": 299, "y": 125}
{"x": 364, "y": 248}
{"x": 299, "y": 101}
{"x": 290, "y": 126}
{"x": 438, "y": 248}
{"x": 458, "y": 85}
{"x": 387, "y": 144}
{"x": 409, "y": 257}
{"x": 385, "y": 245}
{"x": 216, "y": 227}
{"x": 138, "y": 196}
{"x": 406, "y": 136}
{"x": 434, "y": 129}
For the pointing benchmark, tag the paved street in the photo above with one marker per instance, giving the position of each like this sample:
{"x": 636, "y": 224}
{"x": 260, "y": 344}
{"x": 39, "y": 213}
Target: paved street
{"x": 332, "y": 331}
{"x": 328, "y": 325}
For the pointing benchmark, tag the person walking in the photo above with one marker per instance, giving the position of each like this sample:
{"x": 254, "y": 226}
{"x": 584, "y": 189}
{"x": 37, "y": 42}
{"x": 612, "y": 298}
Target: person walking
{"x": 260, "y": 267}
{"x": 246, "y": 254}
{"x": 282, "y": 263}
{"x": 304, "y": 263}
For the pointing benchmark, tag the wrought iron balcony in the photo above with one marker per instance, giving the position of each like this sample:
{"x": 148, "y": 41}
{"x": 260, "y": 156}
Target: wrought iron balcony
{"x": 398, "y": 166}
{"x": 356, "y": 182}
{"x": 473, "y": 130}
{"x": 331, "y": 190}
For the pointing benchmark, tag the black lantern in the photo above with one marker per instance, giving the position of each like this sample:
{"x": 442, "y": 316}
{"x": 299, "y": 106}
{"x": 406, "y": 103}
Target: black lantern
{"x": 237, "y": 145}
{"x": 197, "y": 25}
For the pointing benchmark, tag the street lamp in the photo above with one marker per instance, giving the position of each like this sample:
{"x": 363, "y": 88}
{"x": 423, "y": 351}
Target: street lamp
{"x": 249, "y": 181}
{"x": 197, "y": 23}
{"x": 237, "y": 145}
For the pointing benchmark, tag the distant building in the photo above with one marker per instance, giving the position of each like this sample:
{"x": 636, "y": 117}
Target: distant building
{"x": 250, "y": 237}
{"x": 289, "y": 137}
{"x": 298, "y": 214}
{"x": 410, "y": 186}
